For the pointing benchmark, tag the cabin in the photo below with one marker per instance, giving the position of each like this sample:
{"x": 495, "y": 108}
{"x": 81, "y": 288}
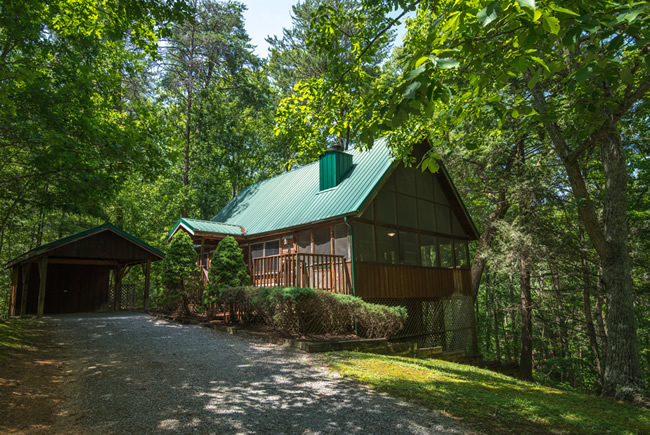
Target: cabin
{"x": 360, "y": 223}
{"x": 73, "y": 274}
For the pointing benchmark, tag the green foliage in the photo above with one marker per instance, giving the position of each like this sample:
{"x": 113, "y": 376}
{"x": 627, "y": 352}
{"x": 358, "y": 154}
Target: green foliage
{"x": 311, "y": 311}
{"x": 179, "y": 271}
{"x": 227, "y": 269}
{"x": 324, "y": 94}
{"x": 490, "y": 402}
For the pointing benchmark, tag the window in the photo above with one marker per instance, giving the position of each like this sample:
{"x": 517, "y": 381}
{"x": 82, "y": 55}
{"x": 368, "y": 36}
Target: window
{"x": 428, "y": 251}
{"x": 386, "y": 245}
{"x": 322, "y": 242}
{"x": 364, "y": 242}
{"x": 304, "y": 242}
{"x": 341, "y": 240}
{"x": 385, "y": 207}
{"x": 257, "y": 250}
{"x": 409, "y": 248}
{"x": 446, "y": 252}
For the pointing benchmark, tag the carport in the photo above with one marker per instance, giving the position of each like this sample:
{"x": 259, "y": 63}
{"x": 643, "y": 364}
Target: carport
{"x": 72, "y": 274}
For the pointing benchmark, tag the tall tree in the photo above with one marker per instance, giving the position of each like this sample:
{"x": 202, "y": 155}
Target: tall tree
{"x": 574, "y": 71}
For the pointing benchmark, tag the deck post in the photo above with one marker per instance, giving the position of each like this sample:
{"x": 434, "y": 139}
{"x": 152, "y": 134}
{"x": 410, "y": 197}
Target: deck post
{"x": 147, "y": 284}
{"x": 23, "y": 300}
{"x": 42, "y": 272}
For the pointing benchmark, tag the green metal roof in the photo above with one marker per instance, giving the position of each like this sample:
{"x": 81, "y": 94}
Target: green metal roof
{"x": 294, "y": 198}
{"x": 203, "y": 226}
{"x": 40, "y": 250}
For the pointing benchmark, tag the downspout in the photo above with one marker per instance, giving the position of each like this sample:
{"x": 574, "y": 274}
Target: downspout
{"x": 354, "y": 286}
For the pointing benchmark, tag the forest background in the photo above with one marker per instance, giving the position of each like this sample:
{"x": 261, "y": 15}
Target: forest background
{"x": 139, "y": 112}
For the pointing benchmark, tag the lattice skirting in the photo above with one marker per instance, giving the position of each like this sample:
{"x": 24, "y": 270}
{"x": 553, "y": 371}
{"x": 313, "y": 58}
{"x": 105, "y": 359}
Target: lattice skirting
{"x": 128, "y": 299}
{"x": 445, "y": 322}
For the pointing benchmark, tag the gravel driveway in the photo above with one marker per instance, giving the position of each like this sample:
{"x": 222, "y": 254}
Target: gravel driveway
{"x": 130, "y": 373}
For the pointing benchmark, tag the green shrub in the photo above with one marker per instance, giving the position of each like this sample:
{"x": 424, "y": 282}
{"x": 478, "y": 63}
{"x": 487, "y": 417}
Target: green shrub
{"x": 179, "y": 273}
{"x": 310, "y": 311}
{"x": 227, "y": 270}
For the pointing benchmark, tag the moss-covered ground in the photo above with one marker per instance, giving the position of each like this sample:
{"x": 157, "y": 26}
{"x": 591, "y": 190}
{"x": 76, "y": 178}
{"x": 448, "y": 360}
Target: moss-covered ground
{"x": 490, "y": 402}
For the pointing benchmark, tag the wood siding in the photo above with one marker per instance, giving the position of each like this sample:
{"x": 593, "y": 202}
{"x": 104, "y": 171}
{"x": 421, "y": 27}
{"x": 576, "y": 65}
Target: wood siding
{"x": 104, "y": 245}
{"x": 375, "y": 280}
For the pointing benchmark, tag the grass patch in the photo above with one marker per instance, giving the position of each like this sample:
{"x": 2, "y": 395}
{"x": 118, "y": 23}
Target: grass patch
{"x": 17, "y": 334}
{"x": 488, "y": 401}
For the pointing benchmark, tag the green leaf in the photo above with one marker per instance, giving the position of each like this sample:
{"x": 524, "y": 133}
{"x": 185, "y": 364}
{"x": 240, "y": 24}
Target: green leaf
{"x": 551, "y": 24}
{"x": 583, "y": 74}
{"x": 563, "y": 10}
{"x": 411, "y": 89}
{"x": 536, "y": 78}
{"x": 526, "y": 4}
{"x": 447, "y": 63}
{"x": 490, "y": 13}
{"x": 515, "y": 113}
{"x": 421, "y": 60}
{"x": 541, "y": 62}
{"x": 416, "y": 72}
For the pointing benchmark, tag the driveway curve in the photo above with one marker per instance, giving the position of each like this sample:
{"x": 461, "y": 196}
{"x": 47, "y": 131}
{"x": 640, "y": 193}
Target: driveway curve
{"x": 130, "y": 373}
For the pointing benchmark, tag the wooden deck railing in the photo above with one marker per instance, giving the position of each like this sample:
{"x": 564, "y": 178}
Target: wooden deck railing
{"x": 325, "y": 272}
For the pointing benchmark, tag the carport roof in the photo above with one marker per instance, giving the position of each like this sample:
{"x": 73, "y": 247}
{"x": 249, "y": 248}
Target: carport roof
{"x": 44, "y": 249}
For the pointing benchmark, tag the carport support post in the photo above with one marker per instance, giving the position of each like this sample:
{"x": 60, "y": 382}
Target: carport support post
{"x": 147, "y": 283}
{"x": 42, "y": 270}
{"x": 119, "y": 272}
{"x": 23, "y": 300}
{"x": 14, "y": 289}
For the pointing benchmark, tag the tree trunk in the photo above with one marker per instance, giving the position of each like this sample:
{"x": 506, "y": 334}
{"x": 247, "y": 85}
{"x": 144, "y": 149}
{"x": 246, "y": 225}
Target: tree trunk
{"x": 562, "y": 328}
{"x": 526, "y": 354}
{"x": 480, "y": 257}
{"x": 623, "y": 379}
{"x": 495, "y": 316}
{"x": 591, "y": 331}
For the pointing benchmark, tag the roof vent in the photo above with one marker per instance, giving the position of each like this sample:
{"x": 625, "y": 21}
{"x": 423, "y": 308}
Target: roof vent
{"x": 333, "y": 167}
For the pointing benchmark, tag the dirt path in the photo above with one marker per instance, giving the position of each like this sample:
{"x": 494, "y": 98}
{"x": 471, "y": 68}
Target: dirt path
{"x": 128, "y": 373}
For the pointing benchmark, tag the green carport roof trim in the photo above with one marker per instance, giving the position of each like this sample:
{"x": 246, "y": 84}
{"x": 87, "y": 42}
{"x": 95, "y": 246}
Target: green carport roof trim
{"x": 194, "y": 226}
{"x": 40, "y": 250}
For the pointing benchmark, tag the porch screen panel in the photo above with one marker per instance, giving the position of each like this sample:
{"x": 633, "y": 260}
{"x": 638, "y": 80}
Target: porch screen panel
{"x": 428, "y": 251}
{"x": 385, "y": 207}
{"x": 439, "y": 194}
{"x": 424, "y": 184}
{"x": 405, "y": 180}
{"x": 443, "y": 224}
{"x": 446, "y": 252}
{"x": 322, "y": 242}
{"x": 462, "y": 253}
{"x": 304, "y": 242}
{"x": 387, "y": 249}
{"x": 409, "y": 251}
{"x": 341, "y": 241}
{"x": 363, "y": 238}
{"x": 407, "y": 211}
{"x": 426, "y": 215}
{"x": 272, "y": 248}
